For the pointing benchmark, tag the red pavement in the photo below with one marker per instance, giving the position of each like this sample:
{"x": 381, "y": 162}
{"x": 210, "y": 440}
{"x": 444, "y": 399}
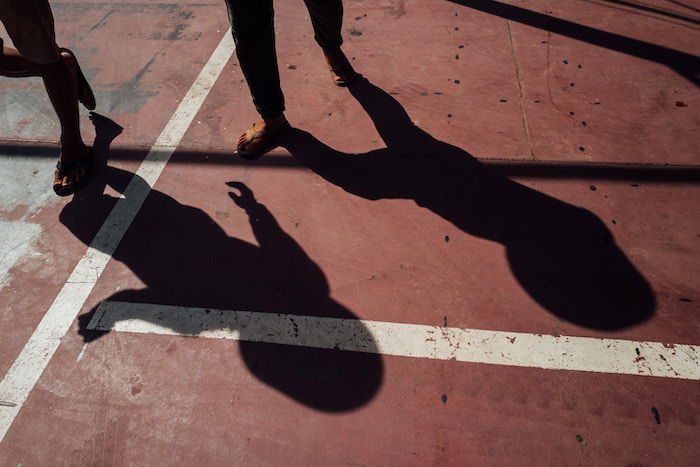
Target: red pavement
{"x": 509, "y": 126}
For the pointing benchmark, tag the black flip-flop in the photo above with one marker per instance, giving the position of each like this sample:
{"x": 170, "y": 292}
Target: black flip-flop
{"x": 83, "y": 85}
{"x": 64, "y": 168}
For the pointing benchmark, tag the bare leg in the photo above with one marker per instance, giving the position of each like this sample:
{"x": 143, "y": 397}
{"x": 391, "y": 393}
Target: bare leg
{"x": 12, "y": 64}
{"x": 60, "y": 80}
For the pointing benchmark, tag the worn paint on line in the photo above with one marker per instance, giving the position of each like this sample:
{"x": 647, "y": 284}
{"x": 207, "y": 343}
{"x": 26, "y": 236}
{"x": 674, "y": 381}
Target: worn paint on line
{"x": 408, "y": 340}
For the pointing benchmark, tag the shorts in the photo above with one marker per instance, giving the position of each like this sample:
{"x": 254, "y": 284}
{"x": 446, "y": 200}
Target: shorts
{"x": 30, "y": 25}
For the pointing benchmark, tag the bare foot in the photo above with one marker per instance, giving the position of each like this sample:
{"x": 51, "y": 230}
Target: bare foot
{"x": 255, "y": 140}
{"x": 342, "y": 72}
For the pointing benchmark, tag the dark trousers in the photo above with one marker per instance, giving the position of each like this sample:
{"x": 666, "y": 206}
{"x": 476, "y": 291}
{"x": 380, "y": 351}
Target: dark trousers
{"x": 253, "y": 27}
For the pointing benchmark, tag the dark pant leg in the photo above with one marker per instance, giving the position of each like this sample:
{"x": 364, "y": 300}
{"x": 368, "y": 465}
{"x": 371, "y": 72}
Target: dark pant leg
{"x": 252, "y": 22}
{"x": 327, "y": 19}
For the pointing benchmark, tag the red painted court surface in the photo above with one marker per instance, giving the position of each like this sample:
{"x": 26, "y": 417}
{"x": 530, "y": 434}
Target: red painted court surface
{"x": 484, "y": 252}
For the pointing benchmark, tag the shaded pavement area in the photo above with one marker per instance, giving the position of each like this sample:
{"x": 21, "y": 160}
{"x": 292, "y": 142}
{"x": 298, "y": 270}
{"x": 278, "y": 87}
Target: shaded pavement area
{"x": 525, "y": 167}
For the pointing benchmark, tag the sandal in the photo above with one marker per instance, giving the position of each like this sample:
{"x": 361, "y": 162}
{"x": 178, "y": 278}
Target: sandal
{"x": 64, "y": 168}
{"x": 88, "y": 99}
{"x": 267, "y": 138}
{"x": 345, "y": 69}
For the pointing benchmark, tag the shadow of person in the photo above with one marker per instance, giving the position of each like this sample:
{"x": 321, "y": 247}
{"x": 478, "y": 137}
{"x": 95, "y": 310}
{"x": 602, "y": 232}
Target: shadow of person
{"x": 185, "y": 258}
{"x": 562, "y": 255}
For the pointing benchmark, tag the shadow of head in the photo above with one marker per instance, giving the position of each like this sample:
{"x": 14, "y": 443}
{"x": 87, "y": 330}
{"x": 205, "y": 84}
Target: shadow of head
{"x": 186, "y": 260}
{"x": 563, "y": 256}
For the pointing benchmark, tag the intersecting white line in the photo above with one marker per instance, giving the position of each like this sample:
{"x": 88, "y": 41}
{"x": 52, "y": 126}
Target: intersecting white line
{"x": 41, "y": 346}
{"x": 408, "y": 340}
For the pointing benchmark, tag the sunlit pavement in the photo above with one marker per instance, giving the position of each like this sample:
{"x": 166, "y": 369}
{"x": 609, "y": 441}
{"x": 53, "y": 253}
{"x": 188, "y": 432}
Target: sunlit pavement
{"x": 485, "y": 251}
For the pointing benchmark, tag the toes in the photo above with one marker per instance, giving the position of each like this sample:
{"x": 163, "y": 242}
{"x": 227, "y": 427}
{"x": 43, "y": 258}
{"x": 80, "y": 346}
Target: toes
{"x": 69, "y": 178}
{"x": 242, "y": 143}
{"x": 244, "y": 139}
{"x": 57, "y": 179}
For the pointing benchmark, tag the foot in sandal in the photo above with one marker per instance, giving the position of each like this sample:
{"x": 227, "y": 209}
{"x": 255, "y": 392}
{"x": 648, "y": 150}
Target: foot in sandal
{"x": 342, "y": 72}
{"x": 260, "y": 137}
{"x": 72, "y": 170}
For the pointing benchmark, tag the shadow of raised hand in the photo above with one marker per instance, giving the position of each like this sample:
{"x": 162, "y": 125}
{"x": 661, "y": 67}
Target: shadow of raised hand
{"x": 186, "y": 259}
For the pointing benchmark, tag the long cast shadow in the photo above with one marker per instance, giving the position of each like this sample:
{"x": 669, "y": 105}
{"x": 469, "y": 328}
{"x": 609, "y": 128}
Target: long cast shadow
{"x": 562, "y": 255}
{"x": 656, "y": 11}
{"x": 185, "y": 258}
{"x": 687, "y": 65}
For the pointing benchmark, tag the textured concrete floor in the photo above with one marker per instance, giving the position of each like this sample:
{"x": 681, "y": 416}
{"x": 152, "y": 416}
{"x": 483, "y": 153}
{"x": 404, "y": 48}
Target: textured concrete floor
{"x": 522, "y": 166}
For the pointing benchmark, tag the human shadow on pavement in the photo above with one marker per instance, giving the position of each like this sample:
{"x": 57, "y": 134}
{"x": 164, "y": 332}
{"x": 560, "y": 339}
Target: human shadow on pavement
{"x": 186, "y": 259}
{"x": 562, "y": 255}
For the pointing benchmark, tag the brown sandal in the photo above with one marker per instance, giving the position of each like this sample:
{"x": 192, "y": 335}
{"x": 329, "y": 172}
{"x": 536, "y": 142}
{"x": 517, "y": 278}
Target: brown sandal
{"x": 267, "y": 137}
{"x": 345, "y": 69}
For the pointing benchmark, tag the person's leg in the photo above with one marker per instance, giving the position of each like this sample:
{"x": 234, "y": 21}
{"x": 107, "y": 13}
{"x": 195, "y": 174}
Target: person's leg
{"x": 13, "y": 65}
{"x": 31, "y": 27}
{"x": 61, "y": 85}
{"x": 327, "y": 20}
{"x": 252, "y": 23}
{"x": 60, "y": 81}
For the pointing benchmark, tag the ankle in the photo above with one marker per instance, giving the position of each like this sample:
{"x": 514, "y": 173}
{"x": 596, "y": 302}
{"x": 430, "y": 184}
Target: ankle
{"x": 72, "y": 145}
{"x": 72, "y": 138}
{"x": 333, "y": 51}
{"x": 276, "y": 120}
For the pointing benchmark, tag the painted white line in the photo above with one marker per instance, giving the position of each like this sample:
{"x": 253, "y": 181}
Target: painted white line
{"x": 38, "y": 351}
{"x": 408, "y": 340}
{"x": 82, "y": 352}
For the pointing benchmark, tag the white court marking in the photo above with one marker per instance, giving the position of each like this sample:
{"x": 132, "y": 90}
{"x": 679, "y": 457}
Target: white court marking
{"x": 39, "y": 349}
{"x": 408, "y": 340}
